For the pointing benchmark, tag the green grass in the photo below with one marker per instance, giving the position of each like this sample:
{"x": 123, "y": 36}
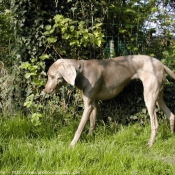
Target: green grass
{"x": 26, "y": 149}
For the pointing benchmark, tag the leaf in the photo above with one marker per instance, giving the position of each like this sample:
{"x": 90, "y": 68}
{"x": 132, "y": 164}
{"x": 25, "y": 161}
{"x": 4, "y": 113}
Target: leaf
{"x": 72, "y": 28}
{"x": 129, "y": 26}
{"x": 25, "y": 65}
{"x": 99, "y": 42}
{"x": 154, "y": 9}
{"x": 98, "y": 25}
{"x": 28, "y": 75}
{"x": 66, "y": 36}
{"x": 85, "y": 36}
{"x": 52, "y": 30}
{"x": 74, "y": 42}
{"x": 34, "y": 60}
{"x": 7, "y": 11}
{"x": 33, "y": 68}
{"x": 129, "y": 10}
{"x": 31, "y": 97}
{"x": 81, "y": 25}
{"x": 29, "y": 91}
{"x": 28, "y": 104}
{"x": 51, "y": 39}
{"x": 48, "y": 27}
{"x": 122, "y": 30}
{"x": 37, "y": 82}
{"x": 58, "y": 18}
{"x": 96, "y": 33}
{"x": 36, "y": 119}
{"x": 44, "y": 57}
{"x": 47, "y": 33}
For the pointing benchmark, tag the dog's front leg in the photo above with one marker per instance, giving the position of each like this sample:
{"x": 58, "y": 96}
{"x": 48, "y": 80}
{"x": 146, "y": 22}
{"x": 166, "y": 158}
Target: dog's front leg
{"x": 92, "y": 120}
{"x": 88, "y": 107}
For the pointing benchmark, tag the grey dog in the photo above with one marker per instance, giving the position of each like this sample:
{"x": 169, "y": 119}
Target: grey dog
{"x": 104, "y": 79}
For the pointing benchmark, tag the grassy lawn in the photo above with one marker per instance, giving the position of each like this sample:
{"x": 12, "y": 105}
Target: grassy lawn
{"x": 26, "y": 149}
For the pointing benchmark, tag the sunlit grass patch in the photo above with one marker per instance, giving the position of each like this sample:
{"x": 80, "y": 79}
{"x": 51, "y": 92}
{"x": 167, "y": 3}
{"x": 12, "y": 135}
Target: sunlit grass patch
{"x": 44, "y": 149}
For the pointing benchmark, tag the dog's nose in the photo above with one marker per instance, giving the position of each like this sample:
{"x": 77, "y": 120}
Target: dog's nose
{"x": 48, "y": 91}
{"x": 45, "y": 91}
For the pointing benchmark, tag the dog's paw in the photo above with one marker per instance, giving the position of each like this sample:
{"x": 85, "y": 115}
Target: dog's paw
{"x": 150, "y": 144}
{"x": 72, "y": 145}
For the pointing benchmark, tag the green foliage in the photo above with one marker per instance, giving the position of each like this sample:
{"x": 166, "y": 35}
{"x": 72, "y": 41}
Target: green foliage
{"x": 168, "y": 59}
{"x": 42, "y": 32}
{"x": 169, "y": 55}
{"x": 76, "y": 33}
{"x": 35, "y": 78}
{"x": 7, "y": 35}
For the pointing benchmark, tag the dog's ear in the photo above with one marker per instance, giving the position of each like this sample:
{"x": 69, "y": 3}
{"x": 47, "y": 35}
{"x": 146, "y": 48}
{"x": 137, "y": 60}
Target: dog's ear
{"x": 68, "y": 72}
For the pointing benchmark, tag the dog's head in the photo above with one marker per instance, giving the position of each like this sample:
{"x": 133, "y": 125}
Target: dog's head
{"x": 58, "y": 73}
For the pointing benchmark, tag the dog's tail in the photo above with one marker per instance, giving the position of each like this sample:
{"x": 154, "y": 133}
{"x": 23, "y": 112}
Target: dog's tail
{"x": 169, "y": 71}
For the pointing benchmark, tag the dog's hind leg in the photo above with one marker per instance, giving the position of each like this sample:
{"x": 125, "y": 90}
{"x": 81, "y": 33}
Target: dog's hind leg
{"x": 150, "y": 96}
{"x": 170, "y": 116}
{"x": 153, "y": 119}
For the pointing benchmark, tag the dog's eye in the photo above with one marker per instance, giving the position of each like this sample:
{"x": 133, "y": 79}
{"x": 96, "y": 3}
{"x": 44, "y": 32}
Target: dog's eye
{"x": 51, "y": 77}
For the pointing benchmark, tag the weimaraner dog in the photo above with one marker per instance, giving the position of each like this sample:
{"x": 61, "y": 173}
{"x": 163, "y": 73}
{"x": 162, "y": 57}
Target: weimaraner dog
{"x": 104, "y": 79}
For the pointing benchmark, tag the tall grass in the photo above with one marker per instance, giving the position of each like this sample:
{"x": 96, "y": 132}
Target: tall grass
{"x": 26, "y": 149}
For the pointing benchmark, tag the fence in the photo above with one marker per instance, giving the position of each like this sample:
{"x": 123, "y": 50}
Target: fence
{"x": 136, "y": 38}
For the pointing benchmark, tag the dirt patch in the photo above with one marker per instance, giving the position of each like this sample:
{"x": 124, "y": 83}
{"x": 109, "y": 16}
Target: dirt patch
{"x": 170, "y": 160}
